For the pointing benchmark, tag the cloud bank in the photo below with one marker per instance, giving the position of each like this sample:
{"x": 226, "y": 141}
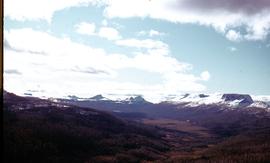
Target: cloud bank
{"x": 252, "y": 16}
{"x": 248, "y": 7}
{"x": 68, "y": 67}
{"x": 250, "y": 19}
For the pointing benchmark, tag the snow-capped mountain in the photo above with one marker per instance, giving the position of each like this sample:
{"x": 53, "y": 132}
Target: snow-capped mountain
{"x": 187, "y": 99}
{"x": 122, "y": 99}
{"x": 231, "y": 100}
{"x": 241, "y": 100}
{"x": 259, "y": 104}
{"x": 190, "y": 100}
{"x": 196, "y": 99}
{"x": 125, "y": 99}
{"x": 73, "y": 97}
{"x": 135, "y": 100}
{"x": 265, "y": 99}
{"x": 99, "y": 98}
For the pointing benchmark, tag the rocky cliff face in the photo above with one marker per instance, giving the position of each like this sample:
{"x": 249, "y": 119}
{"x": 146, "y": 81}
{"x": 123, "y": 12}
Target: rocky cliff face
{"x": 244, "y": 99}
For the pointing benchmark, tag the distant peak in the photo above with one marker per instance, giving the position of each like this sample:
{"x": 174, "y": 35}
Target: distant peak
{"x": 27, "y": 94}
{"x": 73, "y": 97}
{"x": 136, "y": 99}
{"x": 203, "y": 95}
{"x": 244, "y": 99}
{"x": 97, "y": 97}
{"x": 185, "y": 95}
{"x": 232, "y": 97}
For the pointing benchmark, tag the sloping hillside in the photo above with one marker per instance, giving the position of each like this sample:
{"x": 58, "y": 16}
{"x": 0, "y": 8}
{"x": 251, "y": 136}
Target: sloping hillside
{"x": 57, "y": 133}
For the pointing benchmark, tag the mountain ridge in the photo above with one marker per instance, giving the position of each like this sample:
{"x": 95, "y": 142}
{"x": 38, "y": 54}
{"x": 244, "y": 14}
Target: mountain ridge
{"x": 228, "y": 99}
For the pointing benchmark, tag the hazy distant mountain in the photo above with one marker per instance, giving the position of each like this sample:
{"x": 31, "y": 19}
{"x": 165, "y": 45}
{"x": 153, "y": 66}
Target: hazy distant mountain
{"x": 135, "y": 100}
{"x": 99, "y": 98}
{"x": 73, "y": 97}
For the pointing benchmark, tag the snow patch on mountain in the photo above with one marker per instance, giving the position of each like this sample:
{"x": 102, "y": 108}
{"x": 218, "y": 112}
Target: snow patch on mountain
{"x": 260, "y": 104}
{"x": 194, "y": 100}
{"x": 231, "y": 100}
{"x": 119, "y": 97}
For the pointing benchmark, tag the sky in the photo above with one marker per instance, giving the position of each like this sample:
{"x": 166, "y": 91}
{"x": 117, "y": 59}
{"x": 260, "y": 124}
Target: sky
{"x": 148, "y": 47}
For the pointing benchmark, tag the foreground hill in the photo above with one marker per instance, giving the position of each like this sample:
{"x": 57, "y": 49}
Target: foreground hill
{"x": 40, "y": 131}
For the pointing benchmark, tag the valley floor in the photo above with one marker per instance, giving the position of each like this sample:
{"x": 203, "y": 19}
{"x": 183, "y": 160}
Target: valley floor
{"x": 193, "y": 143}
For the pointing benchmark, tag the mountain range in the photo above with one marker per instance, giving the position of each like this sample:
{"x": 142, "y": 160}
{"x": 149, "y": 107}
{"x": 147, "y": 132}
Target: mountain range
{"x": 187, "y": 128}
{"x": 190, "y": 100}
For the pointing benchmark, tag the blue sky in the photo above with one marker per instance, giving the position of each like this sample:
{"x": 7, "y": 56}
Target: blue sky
{"x": 144, "y": 47}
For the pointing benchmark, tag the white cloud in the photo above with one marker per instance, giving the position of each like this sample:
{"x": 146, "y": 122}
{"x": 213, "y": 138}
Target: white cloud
{"x": 232, "y": 35}
{"x": 147, "y": 43}
{"x": 222, "y": 15}
{"x": 256, "y": 23}
{"x": 40, "y": 9}
{"x": 59, "y": 53}
{"x": 159, "y": 63}
{"x": 86, "y": 28}
{"x": 205, "y": 75}
{"x": 109, "y": 33}
{"x": 155, "y": 33}
{"x": 67, "y": 67}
